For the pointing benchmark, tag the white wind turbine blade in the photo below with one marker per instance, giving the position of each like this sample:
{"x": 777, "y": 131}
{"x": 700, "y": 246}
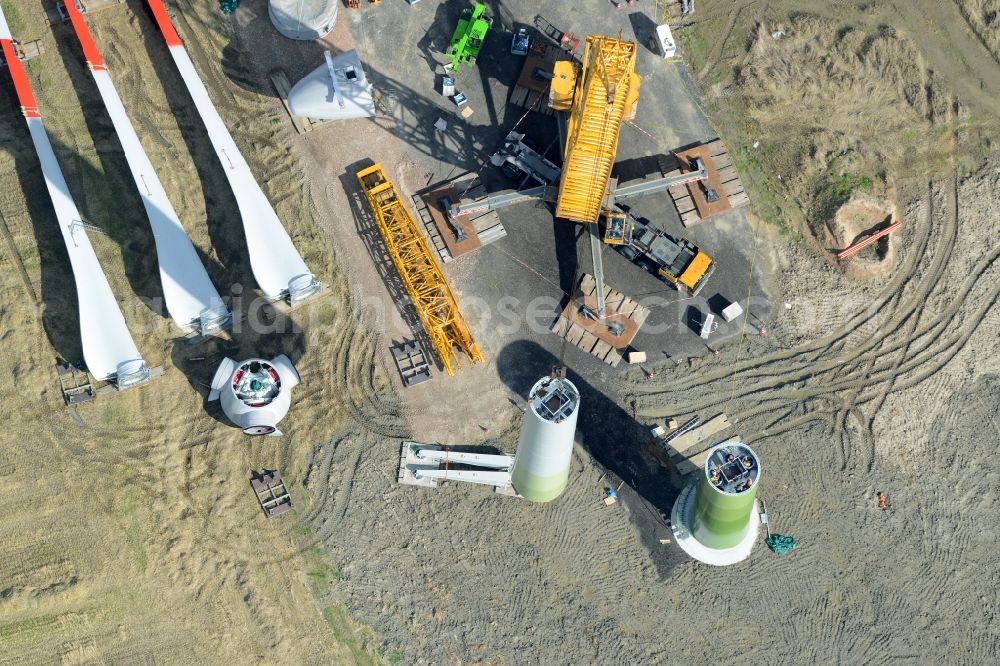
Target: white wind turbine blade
{"x": 188, "y": 292}
{"x": 277, "y": 265}
{"x": 108, "y": 348}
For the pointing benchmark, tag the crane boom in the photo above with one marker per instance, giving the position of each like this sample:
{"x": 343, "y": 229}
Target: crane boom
{"x": 603, "y": 99}
{"x": 432, "y": 297}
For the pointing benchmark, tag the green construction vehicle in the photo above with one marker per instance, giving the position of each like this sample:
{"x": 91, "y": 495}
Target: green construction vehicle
{"x": 468, "y": 37}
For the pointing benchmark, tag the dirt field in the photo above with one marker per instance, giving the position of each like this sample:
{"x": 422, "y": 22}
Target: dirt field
{"x": 132, "y": 535}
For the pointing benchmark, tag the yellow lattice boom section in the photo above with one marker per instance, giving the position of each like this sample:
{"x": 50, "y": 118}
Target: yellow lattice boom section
{"x": 601, "y": 104}
{"x": 419, "y": 271}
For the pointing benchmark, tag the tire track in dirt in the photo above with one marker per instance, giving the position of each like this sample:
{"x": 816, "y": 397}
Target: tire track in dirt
{"x": 317, "y": 476}
{"x": 929, "y": 358}
{"x": 779, "y": 376}
{"x": 15, "y": 258}
{"x": 969, "y": 66}
{"x": 903, "y": 349}
{"x": 720, "y": 43}
{"x": 763, "y": 366}
{"x": 354, "y": 376}
{"x": 235, "y": 98}
{"x": 342, "y": 497}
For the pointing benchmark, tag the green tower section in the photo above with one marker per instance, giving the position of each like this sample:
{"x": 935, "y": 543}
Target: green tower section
{"x": 537, "y": 488}
{"x": 541, "y": 466}
{"x": 725, "y": 496}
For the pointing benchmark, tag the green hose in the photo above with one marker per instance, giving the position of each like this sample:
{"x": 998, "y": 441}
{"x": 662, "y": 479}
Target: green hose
{"x": 780, "y": 543}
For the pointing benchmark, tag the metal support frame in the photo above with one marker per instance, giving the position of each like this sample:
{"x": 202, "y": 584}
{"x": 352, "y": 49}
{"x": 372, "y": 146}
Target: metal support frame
{"x": 271, "y": 492}
{"x": 74, "y": 381}
{"x": 490, "y": 478}
{"x": 495, "y": 468}
{"x": 596, "y": 244}
{"x": 425, "y": 283}
{"x": 548, "y": 193}
{"x": 490, "y": 461}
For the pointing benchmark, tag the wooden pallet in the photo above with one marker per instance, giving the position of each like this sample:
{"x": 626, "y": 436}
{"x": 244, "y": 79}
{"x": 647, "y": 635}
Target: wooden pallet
{"x": 593, "y": 337}
{"x": 281, "y": 86}
{"x": 271, "y": 493}
{"x": 531, "y": 99}
{"x": 689, "y": 200}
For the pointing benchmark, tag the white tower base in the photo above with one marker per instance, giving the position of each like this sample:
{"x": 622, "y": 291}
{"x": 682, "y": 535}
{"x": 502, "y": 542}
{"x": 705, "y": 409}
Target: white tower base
{"x": 303, "y": 19}
{"x": 681, "y": 518}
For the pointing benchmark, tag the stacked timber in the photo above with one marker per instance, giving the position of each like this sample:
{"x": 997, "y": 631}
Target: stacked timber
{"x": 688, "y": 451}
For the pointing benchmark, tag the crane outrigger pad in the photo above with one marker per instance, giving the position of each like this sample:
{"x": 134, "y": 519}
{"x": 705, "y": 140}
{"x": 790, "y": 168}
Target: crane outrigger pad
{"x": 691, "y": 199}
{"x": 478, "y": 228}
{"x": 578, "y": 325}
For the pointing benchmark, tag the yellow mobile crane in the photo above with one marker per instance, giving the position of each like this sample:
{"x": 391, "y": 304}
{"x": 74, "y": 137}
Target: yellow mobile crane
{"x": 600, "y": 94}
{"x": 599, "y": 100}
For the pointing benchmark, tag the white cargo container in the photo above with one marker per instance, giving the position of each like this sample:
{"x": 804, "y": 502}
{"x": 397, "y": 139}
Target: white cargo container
{"x": 665, "y": 41}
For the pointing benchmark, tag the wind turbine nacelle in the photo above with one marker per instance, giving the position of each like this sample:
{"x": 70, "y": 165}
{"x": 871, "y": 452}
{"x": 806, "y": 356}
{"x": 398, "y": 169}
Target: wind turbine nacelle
{"x": 255, "y": 394}
{"x": 336, "y": 90}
